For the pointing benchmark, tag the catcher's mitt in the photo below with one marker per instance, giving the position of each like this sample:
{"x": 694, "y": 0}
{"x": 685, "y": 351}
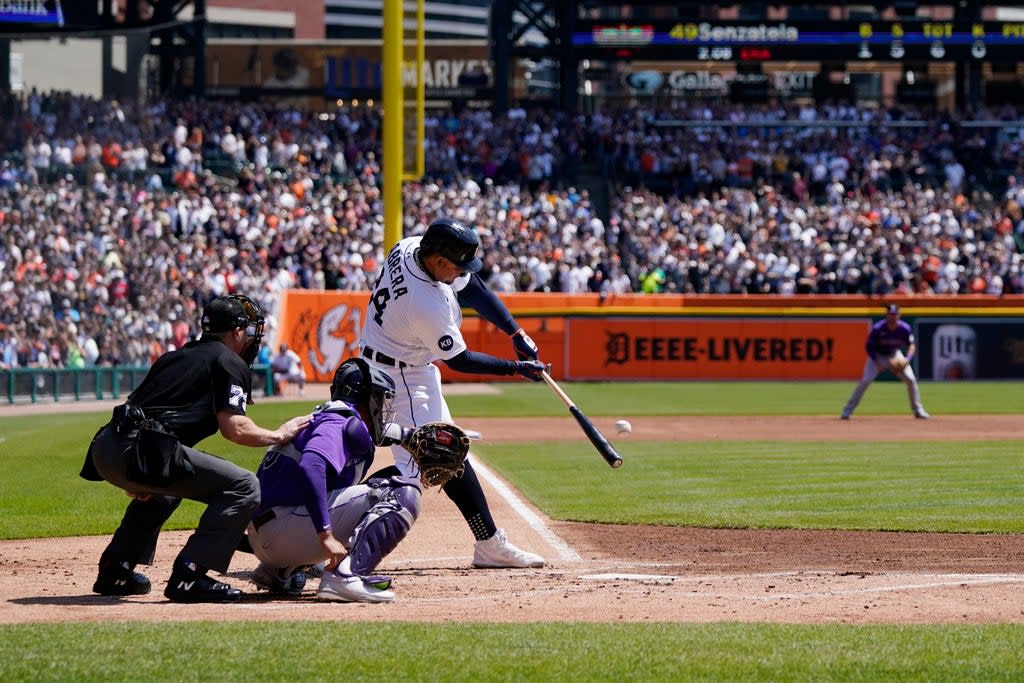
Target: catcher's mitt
{"x": 439, "y": 449}
{"x": 898, "y": 361}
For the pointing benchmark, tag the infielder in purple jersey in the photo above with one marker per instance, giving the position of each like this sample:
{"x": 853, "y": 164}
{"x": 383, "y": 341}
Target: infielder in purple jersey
{"x": 886, "y": 342}
{"x": 315, "y": 509}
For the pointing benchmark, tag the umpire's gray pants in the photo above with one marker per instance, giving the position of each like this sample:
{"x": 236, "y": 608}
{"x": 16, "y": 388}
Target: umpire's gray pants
{"x": 230, "y": 493}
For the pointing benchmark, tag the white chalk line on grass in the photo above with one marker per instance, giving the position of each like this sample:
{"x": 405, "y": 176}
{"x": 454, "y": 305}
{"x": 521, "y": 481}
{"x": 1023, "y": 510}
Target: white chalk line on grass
{"x": 565, "y": 553}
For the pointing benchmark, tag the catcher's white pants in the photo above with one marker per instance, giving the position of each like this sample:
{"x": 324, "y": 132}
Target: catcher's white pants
{"x": 418, "y": 400}
{"x": 290, "y": 539}
{"x": 872, "y": 368}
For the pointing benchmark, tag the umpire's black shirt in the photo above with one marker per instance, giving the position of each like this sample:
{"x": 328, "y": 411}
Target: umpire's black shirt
{"x": 186, "y": 388}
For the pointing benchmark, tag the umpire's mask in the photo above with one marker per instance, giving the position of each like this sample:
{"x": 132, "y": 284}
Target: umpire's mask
{"x": 227, "y": 313}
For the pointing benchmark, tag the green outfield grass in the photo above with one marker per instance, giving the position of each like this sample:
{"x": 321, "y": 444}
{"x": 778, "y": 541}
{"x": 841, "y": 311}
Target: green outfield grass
{"x": 373, "y": 652}
{"x": 972, "y": 486}
{"x": 741, "y": 398}
{"x": 969, "y": 486}
{"x": 937, "y": 486}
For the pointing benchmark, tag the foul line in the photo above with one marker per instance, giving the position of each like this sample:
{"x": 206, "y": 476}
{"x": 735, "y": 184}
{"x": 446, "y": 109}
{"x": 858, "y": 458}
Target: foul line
{"x": 565, "y": 553}
{"x": 951, "y": 581}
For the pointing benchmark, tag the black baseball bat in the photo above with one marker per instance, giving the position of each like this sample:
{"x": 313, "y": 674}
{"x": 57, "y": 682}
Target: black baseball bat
{"x": 607, "y": 451}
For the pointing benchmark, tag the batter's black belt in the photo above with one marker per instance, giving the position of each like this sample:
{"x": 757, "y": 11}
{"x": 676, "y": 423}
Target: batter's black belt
{"x": 382, "y": 358}
{"x": 262, "y": 518}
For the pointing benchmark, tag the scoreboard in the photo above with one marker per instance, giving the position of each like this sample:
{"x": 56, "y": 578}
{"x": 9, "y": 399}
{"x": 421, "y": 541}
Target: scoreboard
{"x": 25, "y": 13}
{"x": 912, "y": 39}
{"x": 48, "y": 17}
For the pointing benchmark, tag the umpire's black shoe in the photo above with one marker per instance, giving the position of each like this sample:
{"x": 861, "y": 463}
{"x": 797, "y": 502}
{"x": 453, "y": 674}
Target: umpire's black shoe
{"x": 117, "y": 578}
{"x": 189, "y": 586}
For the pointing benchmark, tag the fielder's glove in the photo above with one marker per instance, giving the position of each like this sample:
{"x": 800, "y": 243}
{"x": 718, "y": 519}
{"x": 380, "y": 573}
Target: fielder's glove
{"x": 898, "y": 362}
{"x": 524, "y": 346}
{"x": 440, "y": 450}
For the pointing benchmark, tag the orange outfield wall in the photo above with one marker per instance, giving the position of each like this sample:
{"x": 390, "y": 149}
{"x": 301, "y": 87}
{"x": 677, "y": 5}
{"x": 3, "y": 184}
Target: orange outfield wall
{"x": 638, "y": 336}
{"x": 630, "y": 348}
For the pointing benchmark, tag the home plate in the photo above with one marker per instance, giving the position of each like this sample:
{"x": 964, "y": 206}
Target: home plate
{"x": 650, "y": 578}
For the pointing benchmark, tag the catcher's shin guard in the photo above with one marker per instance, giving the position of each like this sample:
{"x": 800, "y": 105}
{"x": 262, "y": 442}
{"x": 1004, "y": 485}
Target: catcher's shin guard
{"x": 384, "y": 525}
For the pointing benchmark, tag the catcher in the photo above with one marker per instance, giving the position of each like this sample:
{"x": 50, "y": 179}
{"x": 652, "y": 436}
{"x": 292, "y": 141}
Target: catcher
{"x": 314, "y": 508}
{"x": 884, "y": 346}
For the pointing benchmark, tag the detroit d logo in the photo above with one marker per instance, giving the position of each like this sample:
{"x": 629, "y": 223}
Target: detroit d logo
{"x": 446, "y": 342}
{"x": 617, "y": 348}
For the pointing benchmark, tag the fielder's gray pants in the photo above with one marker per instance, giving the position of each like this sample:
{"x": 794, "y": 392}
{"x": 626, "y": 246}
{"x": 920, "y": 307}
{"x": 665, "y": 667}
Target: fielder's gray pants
{"x": 230, "y": 493}
{"x": 872, "y": 368}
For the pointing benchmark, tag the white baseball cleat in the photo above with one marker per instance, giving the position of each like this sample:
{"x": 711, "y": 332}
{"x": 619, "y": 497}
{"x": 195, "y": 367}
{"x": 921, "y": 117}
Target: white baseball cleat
{"x": 339, "y": 588}
{"x": 497, "y": 552}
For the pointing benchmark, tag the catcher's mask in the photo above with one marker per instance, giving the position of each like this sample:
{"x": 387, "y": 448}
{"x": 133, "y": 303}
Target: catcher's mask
{"x": 227, "y": 313}
{"x": 367, "y": 389}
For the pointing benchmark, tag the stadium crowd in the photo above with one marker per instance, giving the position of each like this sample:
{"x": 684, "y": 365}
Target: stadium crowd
{"x": 118, "y": 221}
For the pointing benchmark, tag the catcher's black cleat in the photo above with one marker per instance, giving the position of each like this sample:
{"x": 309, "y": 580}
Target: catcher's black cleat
{"x": 279, "y": 581}
{"x": 118, "y": 579}
{"x": 187, "y": 585}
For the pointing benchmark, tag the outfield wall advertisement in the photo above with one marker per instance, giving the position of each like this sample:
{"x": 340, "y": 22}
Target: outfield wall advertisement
{"x": 323, "y": 328}
{"x": 674, "y": 348}
{"x": 956, "y": 349}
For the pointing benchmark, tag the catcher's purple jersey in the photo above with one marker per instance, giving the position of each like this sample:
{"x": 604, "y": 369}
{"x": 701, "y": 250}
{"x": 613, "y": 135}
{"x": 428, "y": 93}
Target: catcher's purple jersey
{"x": 333, "y": 452}
{"x": 884, "y": 342}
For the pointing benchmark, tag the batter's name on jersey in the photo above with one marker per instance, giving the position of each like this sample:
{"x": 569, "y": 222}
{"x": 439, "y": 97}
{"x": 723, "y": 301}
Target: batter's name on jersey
{"x": 383, "y": 295}
{"x": 623, "y": 348}
{"x": 395, "y": 274}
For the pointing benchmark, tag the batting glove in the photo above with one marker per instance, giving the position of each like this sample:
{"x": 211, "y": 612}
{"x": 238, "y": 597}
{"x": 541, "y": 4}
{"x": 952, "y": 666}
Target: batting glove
{"x": 532, "y": 369}
{"x": 524, "y": 346}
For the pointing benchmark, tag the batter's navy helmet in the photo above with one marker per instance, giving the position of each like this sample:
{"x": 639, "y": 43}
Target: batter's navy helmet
{"x": 453, "y": 240}
{"x": 362, "y": 386}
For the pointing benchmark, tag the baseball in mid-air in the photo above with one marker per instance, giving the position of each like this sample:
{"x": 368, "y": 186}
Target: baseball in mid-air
{"x": 623, "y": 427}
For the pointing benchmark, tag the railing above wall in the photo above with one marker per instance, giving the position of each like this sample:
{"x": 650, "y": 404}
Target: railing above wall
{"x": 33, "y": 385}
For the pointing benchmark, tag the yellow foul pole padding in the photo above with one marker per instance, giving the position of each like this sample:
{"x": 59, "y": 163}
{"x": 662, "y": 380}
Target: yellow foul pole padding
{"x": 415, "y": 100}
{"x": 421, "y": 86}
{"x": 391, "y": 45}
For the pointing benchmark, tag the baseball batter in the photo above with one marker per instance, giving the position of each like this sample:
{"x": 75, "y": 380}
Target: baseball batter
{"x": 414, "y": 318}
{"x": 885, "y": 347}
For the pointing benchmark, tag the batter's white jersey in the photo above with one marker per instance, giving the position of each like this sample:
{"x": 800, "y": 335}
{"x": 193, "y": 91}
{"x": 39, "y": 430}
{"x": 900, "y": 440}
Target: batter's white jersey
{"x": 412, "y": 320}
{"x": 411, "y": 317}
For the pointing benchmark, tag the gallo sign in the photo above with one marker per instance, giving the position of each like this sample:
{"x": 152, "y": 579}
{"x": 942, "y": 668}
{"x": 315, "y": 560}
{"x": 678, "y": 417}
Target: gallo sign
{"x": 783, "y": 82}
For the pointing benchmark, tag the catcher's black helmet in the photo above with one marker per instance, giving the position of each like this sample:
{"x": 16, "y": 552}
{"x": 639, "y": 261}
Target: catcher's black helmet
{"x": 453, "y": 240}
{"x": 226, "y": 313}
{"x": 361, "y": 386}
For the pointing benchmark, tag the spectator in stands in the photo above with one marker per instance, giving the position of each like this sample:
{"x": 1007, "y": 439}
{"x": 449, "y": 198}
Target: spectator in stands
{"x": 287, "y": 367}
{"x": 896, "y": 222}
